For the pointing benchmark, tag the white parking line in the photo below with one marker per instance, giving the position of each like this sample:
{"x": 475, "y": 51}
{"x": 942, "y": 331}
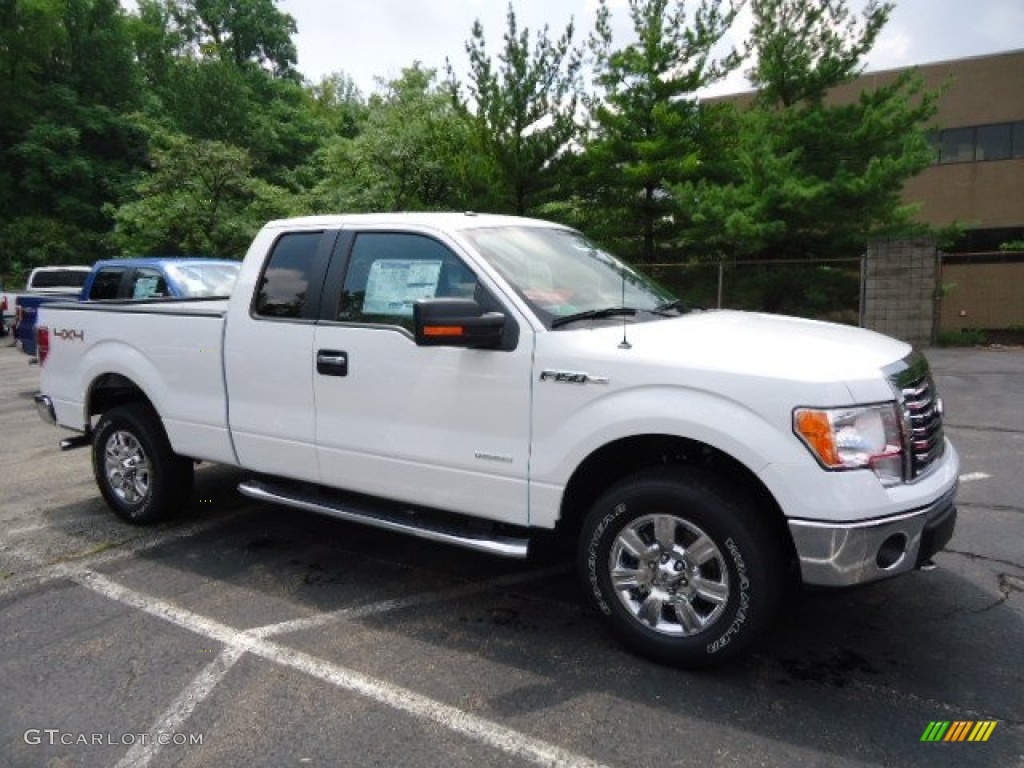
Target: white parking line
{"x": 181, "y": 709}
{"x": 484, "y": 731}
{"x": 972, "y": 476}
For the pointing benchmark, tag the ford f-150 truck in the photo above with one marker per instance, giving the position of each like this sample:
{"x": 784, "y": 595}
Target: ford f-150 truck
{"x": 143, "y": 277}
{"x": 480, "y": 380}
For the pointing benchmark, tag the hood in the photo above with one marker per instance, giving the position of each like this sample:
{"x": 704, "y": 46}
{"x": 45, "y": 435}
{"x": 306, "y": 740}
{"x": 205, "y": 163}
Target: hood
{"x": 769, "y": 346}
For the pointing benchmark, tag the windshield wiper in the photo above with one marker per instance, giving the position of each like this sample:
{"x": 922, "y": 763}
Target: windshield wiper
{"x": 592, "y": 314}
{"x": 677, "y": 305}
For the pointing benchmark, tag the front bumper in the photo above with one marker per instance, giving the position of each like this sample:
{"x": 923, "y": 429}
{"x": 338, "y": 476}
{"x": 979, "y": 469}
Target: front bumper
{"x": 844, "y": 554}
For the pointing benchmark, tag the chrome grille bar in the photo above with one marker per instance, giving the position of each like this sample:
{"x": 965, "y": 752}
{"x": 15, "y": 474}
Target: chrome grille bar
{"x": 922, "y": 414}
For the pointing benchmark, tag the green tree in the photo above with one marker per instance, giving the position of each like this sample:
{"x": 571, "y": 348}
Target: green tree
{"x": 649, "y": 130}
{"x": 239, "y": 31}
{"x": 813, "y": 176}
{"x": 201, "y": 198}
{"x": 523, "y": 109}
{"x": 67, "y": 84}
{"x": 414, "y": 153}
{"x": 222, "y": 70}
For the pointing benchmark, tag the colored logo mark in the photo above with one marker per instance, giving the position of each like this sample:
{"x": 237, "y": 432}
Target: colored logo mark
{"x": 959, "y": 730}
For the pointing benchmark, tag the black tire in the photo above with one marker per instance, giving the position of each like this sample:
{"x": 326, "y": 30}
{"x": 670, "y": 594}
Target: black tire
{"x": 141, "y": 478}
{"x": 700, "y": 571}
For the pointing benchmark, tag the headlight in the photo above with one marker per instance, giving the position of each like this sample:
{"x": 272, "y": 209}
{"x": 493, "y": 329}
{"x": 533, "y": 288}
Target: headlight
{"x": 867, "y": 437}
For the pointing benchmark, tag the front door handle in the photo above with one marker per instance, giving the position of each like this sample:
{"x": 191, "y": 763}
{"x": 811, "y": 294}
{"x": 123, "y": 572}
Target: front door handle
{"x": 332, "y": 362}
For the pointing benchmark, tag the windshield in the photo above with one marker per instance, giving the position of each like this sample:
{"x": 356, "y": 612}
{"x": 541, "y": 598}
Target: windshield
{"x": 562, "y": 274}
{"x": 205, "y": 280}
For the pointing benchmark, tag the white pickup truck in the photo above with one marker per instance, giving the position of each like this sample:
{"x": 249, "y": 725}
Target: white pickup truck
{"x": 480, "y": 380}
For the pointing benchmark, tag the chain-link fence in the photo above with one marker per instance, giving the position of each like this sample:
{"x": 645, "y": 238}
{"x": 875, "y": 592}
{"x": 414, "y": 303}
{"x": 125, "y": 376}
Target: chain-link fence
{"x": 825, "y": 289}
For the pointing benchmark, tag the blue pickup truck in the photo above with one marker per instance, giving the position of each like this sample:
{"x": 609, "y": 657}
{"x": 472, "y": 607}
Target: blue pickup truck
{"x": 136, "y": 278}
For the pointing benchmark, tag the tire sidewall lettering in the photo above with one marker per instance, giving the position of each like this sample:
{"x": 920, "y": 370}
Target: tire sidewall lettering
{"x": 743, "y": 600}
{"x": 592, "y": 555}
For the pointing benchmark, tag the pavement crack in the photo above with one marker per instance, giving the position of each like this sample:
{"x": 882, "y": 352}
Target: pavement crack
{"x": 992, "y": 507}
{"x": 984, "y": 558}
{"x": 983, "y": 428}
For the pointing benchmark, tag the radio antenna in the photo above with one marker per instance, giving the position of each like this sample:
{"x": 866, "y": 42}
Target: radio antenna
{"x": 624, "y": 344}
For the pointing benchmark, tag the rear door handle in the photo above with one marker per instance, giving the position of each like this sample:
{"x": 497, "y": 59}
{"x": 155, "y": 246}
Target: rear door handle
{"x": 332, "y": 362}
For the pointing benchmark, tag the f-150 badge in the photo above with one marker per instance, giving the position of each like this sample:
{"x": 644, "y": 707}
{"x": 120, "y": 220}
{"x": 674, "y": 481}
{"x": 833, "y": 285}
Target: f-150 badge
{"x": 572, "y": 377}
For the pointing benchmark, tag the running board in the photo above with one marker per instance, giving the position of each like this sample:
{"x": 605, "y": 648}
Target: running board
{"x": 432, "y": 530}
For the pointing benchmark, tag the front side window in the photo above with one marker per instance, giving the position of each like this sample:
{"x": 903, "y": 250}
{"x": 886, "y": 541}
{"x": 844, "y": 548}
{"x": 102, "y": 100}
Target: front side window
{"x": 389, "y": 272}
{"x": 286, "y": 279}
{"x": 148, "y": 284}
{"x": 562, "y": 274}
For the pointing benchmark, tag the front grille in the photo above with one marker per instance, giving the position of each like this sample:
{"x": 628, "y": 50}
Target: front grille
{"x": 922, "y": 415}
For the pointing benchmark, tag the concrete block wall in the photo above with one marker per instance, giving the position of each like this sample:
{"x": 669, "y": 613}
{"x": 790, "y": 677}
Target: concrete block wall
{"x": 900, "y": 284}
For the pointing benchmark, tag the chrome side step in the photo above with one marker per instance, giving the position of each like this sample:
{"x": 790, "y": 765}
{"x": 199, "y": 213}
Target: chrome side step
{"x": 432, "y": 530}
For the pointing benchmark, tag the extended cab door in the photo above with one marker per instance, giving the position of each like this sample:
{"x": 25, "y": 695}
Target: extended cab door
{"x": 435, "y": 426}
{"x": 268, "y": 353}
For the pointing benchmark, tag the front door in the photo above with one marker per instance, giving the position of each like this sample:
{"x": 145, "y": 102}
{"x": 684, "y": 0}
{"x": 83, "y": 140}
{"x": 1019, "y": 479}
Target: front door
{"x": 434, "y": 426}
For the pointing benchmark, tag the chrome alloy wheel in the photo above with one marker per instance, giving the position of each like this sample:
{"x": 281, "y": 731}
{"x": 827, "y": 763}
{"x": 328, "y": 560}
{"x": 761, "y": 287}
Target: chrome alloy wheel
{"x": 669, "y": 574}
{"x": 126, "y": 467}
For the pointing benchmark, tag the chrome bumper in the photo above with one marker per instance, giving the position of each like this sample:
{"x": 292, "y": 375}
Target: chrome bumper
{"x": 844, "y": 554}
{"x": 44, "y": 407}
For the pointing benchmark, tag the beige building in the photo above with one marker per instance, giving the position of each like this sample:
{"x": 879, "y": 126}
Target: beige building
{"x": 978, "y": 177}
{"x": 976, "y": 182}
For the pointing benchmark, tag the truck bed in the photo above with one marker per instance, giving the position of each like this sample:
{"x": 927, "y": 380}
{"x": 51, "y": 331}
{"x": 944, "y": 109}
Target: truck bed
{"x": 171, "y": 348}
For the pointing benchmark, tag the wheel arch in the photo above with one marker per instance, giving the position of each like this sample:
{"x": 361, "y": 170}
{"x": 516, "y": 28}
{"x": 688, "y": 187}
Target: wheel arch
{"x": 109, "y": 390}
{"x": 620, "y": 458}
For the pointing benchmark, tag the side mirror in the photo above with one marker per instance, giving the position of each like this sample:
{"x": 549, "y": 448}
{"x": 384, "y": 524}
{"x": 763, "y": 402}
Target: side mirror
{"x": 456, "y": 323}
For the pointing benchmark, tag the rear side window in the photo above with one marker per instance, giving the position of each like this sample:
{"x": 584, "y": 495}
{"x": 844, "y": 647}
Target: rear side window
{"x": 286, "y": 280}
{"x": 104, "y": 286}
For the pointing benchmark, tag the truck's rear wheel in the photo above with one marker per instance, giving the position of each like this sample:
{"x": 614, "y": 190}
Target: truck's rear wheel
{"x": 684, "y": 570}
{"x": 141, "y": 478}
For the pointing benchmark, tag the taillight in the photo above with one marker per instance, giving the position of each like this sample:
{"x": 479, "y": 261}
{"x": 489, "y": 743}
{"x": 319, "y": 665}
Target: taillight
{"x": 3, "y": 304}
{"x": 42, "y": 343}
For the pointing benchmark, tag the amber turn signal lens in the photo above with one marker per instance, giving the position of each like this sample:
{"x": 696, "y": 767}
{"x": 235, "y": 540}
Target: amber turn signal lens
{"x": 816, "y": 430}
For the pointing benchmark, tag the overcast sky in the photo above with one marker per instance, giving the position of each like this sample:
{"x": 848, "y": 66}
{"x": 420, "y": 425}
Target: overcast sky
{"x": 372, "y": 39}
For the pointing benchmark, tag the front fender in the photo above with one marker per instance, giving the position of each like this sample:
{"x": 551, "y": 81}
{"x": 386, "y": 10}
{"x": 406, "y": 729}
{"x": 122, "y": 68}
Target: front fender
{"x": 564, "y": 438}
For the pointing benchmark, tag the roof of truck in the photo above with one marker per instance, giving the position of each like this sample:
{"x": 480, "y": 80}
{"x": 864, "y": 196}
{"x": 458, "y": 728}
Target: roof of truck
{"x": 440, "y": 221}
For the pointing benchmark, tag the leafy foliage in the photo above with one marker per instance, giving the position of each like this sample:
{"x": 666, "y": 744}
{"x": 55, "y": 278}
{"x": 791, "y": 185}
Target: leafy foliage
{"x": 813, "y": 178}
{"x": 649, "y": 129}
{"x": 181, "y": 125}
{"x": 523, "y": 109}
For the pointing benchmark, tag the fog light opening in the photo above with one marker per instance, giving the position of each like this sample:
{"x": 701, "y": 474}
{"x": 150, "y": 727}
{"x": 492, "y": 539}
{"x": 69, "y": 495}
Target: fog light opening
{"x": 892, "y": 551}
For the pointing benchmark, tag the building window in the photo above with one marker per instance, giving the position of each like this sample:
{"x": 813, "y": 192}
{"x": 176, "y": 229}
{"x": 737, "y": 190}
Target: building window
{"x": 957, "y": 145}
{"x": 994, "y": 142}
{"x": 979, "y": 143}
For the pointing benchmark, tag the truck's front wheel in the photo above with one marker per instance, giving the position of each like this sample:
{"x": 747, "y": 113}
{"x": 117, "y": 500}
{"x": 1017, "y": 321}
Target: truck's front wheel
{"x": 141, "y": 478}
{"x": 684, "y": 570}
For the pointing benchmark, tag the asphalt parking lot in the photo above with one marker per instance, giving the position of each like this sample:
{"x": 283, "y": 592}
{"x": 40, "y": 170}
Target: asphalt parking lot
{"x": 244, "y": 634}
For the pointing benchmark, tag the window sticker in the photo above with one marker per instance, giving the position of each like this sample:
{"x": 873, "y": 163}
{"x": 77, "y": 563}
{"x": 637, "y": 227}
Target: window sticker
{"x": 394, "y": 285}
{"x": 145, "y": 287}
